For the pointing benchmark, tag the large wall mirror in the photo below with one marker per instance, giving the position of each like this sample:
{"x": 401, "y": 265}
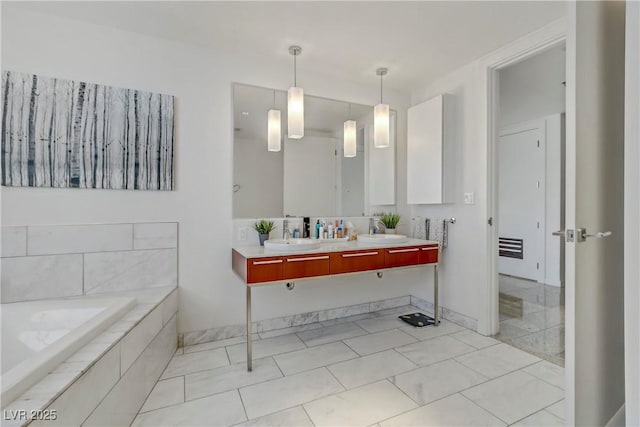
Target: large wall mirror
{"x": 308, "y": 176}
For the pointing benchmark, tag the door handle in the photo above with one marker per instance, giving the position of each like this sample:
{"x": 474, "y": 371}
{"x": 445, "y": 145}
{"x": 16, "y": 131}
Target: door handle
{"x": 598, "y": 235}
{"x": 580, "y": 235}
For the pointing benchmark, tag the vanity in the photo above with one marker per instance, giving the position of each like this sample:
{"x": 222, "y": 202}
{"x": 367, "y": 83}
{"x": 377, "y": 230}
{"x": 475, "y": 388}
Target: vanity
{"x": 258, "y": 266}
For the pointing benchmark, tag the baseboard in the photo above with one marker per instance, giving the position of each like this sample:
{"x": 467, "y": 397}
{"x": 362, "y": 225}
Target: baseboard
{"x": 232, "y": 331}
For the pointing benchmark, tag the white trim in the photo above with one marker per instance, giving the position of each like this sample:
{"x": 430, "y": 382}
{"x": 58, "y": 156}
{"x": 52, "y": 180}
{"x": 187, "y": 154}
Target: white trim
{"x": 631, "y": 215}
{"x": 536, "y": 42}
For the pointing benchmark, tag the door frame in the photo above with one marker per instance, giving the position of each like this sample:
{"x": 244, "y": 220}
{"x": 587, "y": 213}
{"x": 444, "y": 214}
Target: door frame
{"x": 534, "y": 43}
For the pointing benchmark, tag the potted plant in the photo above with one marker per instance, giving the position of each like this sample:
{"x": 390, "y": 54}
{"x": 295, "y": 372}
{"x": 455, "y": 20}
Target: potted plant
{"x": 390, "y": 221}
{"x": 264, "y": 227}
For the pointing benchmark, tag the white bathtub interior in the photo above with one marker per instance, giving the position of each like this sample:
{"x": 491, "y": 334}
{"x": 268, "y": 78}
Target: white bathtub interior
{"x": 38, "y": 335}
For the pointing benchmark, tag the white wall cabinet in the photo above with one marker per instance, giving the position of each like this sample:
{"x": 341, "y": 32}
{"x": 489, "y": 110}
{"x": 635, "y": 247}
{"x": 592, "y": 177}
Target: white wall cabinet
{"x": 430, "y": 152}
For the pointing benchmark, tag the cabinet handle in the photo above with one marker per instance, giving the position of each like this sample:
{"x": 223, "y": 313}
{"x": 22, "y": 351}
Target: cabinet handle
{"x": 430, "y": 249}
{"x": 273, "y": 261}
{"x": 309, "y": 258}
{"x": 398, "y": 251}
{"x": 359, "y": 254}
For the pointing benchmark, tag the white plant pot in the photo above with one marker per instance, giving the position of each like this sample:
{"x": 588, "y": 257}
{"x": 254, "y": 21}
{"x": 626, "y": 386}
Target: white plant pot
{"x": 389, "y": 231}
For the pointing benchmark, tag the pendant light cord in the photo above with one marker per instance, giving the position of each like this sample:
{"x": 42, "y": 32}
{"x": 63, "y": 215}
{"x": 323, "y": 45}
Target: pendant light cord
{"x": 274, "y": 98}
{"x": 295, "y": 74}
{"x": 381, "y": 88}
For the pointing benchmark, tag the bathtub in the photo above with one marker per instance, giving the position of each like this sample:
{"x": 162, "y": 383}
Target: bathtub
{"x": 38, "y": 335}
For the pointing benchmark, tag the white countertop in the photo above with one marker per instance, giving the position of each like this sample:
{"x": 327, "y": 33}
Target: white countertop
{"x": 326, "y": 246}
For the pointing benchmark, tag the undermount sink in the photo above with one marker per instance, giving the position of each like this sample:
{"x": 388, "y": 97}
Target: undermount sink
{"x": 291, "y": 245}
{"x": 382, "y": 239}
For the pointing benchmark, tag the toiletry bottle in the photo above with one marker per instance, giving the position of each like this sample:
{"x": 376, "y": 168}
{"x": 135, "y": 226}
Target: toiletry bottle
{"x": 330, "y": 231}
{"x": 296, "y": 233}
{"x": 340, "y": 230}
{"x": 306, "y": 231}
{"x": 318, "y": 229}
{"x": 321, "y": 231}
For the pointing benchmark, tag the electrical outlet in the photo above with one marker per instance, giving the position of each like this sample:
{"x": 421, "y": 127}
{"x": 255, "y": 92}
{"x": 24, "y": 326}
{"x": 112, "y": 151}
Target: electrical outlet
{"x": 469, "y": 199}
{"x": 242, "y": 233}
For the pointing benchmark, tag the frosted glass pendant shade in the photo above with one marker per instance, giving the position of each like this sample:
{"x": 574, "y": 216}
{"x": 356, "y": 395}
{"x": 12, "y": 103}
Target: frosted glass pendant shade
{"x": 381, "y": 125}
{"x": 295, "y": 112}
{"x": 273, "y": 130}
{"x": 349, "y": 138}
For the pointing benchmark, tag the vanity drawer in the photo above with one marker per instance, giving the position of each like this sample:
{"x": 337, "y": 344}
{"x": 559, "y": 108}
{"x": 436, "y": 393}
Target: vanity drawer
{"x": 264, "y": 269}
{"x": 400, "y": 257}
{"x": 301, "y": 266}
{"x": 429, "y": 255}
{"x": 347, "y": 262}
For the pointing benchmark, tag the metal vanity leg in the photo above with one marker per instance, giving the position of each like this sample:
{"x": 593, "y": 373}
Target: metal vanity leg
{"x": 435, "y": 295}
{"x": 249, "y": 334}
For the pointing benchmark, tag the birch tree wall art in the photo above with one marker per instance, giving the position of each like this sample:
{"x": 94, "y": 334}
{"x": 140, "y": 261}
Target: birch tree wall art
{"x": 62, "y": 133}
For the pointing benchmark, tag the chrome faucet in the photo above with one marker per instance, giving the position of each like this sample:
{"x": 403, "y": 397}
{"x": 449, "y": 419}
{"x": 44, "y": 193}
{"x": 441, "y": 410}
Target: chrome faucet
{"x": 373, "y": 226}
{"x": 286, "y": 233}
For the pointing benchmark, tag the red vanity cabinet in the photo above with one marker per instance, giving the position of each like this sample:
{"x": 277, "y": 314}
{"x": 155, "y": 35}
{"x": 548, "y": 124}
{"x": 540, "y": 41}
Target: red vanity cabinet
{"x": 264, "y": 269}
{"x": 301, "y": 266}
{"x": 401, "y": 256}
{"x": 352, "y": 261}
{"x": 429, "y": 254}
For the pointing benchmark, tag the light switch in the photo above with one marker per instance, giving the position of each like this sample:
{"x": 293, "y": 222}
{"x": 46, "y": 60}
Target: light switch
{"x": 242, "y": 233}
{"x": 469, "y": 199}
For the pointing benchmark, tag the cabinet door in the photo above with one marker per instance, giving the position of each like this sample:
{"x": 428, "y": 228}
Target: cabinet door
{"x": 264, "y": 269}
{"x": 430, "y": 151}
{"x": 347, "y": 262}
{"x": 301, "y": 266}
{"x": 429, "y": 255}
{"x": 401, "y": 257}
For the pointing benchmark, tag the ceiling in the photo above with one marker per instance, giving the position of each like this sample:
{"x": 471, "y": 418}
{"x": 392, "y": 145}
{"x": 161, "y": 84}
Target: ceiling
{"x": 417, "y": 41}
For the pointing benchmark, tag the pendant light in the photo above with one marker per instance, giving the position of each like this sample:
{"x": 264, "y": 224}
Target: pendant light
{"x": 295, "y": 105}
{"x": 381, "y": 118}
{"x": 274, "y": 127}
{"x": 349, "y": 136}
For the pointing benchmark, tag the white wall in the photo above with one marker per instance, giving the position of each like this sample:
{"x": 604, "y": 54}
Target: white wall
{"x": 533, "y": 88}
{"x": 464, "y": 262}
{"x": 210, "y": 294}
{"x": 466, "y": 285}
{"x": 259, "y": 173}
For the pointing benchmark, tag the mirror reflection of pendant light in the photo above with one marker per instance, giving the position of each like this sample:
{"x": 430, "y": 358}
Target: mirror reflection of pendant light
{"x": 295, "y": 107}
{"x": 349, "y": 147}
{"x": 381, "y": 118}
{"x": 273, "y": 127}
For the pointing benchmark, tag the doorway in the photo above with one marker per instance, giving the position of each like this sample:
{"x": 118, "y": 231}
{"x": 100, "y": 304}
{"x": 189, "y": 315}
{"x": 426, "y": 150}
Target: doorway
{"x": 530, "y": 201}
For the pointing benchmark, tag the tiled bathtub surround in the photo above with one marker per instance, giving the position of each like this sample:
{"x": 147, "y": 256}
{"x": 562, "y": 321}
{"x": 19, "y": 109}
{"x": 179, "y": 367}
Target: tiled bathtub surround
{"x": 315, "y": 319}
{"x": 108, "y": 380}
{"x": 69, "y": 260}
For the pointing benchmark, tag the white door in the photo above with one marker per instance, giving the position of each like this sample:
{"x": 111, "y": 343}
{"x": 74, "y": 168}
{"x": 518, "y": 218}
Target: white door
{"x": 521, "y": 172}
{"x": 594, "y": 201}
{"x": 310, "y": 176}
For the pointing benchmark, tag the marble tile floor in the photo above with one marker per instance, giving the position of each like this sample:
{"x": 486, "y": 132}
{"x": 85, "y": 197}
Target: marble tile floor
{"x": 532, "y": 317}
{"x": 360, "y": 372}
